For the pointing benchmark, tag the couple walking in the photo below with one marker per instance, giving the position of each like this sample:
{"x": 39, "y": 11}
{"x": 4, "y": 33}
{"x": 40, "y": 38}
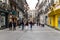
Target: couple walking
{"x": 12, "y": 23}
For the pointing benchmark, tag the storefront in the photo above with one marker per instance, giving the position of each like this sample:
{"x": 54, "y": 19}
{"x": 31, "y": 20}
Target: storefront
{"x": 54, "y": 18}
{"x": 3, "y": 19}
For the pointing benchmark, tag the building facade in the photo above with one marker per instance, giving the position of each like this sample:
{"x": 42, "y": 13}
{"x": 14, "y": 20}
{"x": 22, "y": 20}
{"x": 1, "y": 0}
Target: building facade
{"x": 54, "y": 16}
{"x": 16, "y": 7}
{"x": 43, "y": 9}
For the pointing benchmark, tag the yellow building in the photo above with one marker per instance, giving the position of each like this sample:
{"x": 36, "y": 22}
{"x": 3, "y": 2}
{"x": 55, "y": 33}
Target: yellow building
{"x": 54, "y": 16}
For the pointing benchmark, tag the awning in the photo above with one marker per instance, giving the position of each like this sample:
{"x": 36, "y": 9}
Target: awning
{"x": 51, "y": 13}
{"x": 55, "y": 11}
{"x": 3, "y": 11}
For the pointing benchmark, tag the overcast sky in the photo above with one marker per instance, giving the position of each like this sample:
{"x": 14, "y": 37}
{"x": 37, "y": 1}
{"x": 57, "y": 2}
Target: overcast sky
{"x": 32, "y": 4}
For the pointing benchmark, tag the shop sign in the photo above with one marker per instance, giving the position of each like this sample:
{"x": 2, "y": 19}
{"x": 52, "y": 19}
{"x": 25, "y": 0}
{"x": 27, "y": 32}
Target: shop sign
{"x": 14, "y": 12}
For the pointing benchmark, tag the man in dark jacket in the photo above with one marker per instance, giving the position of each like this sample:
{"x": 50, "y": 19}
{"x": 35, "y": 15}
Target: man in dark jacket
{"x": 31, "y": 24}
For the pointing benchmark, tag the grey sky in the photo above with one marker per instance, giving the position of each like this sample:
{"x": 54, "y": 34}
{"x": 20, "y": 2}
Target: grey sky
{"x": 32, "y": 4}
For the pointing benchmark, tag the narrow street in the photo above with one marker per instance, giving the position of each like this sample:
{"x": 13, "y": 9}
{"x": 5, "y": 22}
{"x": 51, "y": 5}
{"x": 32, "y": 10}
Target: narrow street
{"x": 37, "y": 33}
{"x": 19, "y": 19}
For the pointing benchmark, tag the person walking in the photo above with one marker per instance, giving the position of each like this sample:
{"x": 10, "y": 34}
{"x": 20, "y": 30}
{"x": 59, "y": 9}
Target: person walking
{"x": 42, "y": 22}
{"x": 22, "y": 24}
{"x": 10, "y": 21}
{"x": 31, "y": 23}
{"x": 10, "y": 24}
{"x": 14, "y": 23}
{"x": 19, "y": 23}
{"x": 26, "y": 25}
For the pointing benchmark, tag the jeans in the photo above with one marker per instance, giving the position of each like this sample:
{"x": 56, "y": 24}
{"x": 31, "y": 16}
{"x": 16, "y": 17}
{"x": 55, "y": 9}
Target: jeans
{"x": 31, "y": 26}
{"x": 22, "y": 26}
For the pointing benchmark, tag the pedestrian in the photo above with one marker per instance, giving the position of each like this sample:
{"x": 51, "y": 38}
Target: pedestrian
{"x": 10, "y": 21}
{"x": 26, "y": 25}
{"x": 31, "y": 23}
{"x": 37, "y": 23}
{"x": 10, "y": 24}
{"x": 22, "y": 24}
{"x": 42, "y": 23}
{"x": 19, "y": 23}
{"x": 14, "y": 23}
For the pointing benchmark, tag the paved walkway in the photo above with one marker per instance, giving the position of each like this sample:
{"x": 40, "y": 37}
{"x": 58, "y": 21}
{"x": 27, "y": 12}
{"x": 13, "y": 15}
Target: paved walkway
{"x": 38, "y": 33}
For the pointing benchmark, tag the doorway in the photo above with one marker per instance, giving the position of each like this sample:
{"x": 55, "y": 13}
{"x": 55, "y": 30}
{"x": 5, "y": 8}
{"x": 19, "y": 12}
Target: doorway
{"x": 54, "y": 21}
